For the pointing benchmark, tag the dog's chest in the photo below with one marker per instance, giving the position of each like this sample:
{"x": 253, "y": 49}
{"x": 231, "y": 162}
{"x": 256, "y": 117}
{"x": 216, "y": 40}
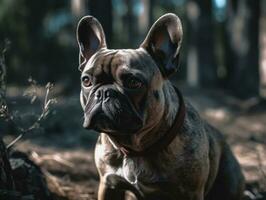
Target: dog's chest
{"x": 138, "y": 169}
{"x": 149, "y": 169}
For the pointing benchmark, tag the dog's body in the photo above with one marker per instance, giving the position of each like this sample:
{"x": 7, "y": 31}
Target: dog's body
{"x": 126, "y": 95}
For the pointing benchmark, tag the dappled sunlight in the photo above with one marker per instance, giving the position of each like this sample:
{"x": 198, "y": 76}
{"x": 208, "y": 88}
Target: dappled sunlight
{"x": 218, "y": 114}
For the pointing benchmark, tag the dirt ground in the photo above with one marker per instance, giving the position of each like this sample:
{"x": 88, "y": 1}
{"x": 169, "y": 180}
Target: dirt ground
{"x": 64, "y": 150}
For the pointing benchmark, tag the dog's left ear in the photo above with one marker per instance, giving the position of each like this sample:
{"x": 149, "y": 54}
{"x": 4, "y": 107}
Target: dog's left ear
{"x": 90, "y": 37}
{"x": 163, "y": 43}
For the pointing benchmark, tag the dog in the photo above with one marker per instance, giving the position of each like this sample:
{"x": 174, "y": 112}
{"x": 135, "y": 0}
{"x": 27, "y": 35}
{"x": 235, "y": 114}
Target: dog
{"x": 153, "y": 144}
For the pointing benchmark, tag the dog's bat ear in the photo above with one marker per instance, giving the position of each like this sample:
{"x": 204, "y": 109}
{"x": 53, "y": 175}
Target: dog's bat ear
{"x": 90, "y": 37}
{"x": 163, "y": 43}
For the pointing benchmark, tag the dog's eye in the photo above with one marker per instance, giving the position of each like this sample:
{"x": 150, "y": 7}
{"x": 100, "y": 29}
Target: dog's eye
{"x": 86, "y": 81}
{"x": 133, "y": 83}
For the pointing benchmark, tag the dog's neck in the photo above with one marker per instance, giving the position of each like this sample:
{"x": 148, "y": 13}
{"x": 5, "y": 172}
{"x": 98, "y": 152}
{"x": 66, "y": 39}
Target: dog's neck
{"x": 149, "y": 135}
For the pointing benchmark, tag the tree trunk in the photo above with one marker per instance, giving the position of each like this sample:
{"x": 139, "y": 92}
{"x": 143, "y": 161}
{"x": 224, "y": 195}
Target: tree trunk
{"x": 78, "y": 7}
{"x": 242, "y": 52}
{"x": 262, "y": 42}
{"x": 151, "y": 11}
{"x": 7, "y": 184}
{"x": 102, "y": 10}
{"x": 130, "y": 21}
{"x": 201, "y": 63}
{"x": 6, "y": 178}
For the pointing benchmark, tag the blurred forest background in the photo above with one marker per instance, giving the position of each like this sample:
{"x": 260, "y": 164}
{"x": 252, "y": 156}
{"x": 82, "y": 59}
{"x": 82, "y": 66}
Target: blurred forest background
{"x": 222, "y": 72}
{"x": 224, "y": 42}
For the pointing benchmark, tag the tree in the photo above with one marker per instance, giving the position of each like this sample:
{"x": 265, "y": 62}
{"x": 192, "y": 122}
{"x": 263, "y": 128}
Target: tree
{"x": 102, "y": 10}
{"x": 6, "y": 178}
{"x": 242, "y": 47}
{"x": 201, "y": 62}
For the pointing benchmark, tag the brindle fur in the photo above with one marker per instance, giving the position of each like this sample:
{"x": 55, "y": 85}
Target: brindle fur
{"x": 197, "y": 165}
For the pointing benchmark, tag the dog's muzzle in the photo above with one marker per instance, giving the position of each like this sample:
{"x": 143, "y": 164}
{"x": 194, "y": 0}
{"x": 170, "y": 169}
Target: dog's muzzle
{"x": 109, "y": 111}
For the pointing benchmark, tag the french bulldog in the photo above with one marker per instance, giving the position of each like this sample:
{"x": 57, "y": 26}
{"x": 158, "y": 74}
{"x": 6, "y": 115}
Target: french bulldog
{"x": 152, "y": 144}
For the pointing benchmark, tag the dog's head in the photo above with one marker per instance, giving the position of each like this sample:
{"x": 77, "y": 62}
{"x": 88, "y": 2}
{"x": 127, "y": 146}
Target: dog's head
{"x": 122, "y": 90}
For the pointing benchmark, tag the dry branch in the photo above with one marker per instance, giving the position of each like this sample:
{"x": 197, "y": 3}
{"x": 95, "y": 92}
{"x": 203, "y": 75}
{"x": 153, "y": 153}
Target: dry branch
{"x": 20, "y": 178}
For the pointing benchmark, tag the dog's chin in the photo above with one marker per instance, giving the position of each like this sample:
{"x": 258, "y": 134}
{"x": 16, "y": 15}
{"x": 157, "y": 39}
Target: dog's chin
{"x": 101, "y": 123}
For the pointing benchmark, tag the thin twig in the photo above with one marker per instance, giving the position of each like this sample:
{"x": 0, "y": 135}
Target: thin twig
{"x": 4, "y": 111}
{"x": 46, "y": 106}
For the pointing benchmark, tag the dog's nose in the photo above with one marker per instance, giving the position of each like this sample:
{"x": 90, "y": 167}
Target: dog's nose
{"x": 109, "y": 93}
{"x": 105, "y": 94}
{"x": 99, "y": 94}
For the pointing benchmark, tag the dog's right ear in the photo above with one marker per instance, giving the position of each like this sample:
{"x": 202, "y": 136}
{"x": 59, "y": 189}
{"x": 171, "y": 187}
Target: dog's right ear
{"x": 163, "y": 43}
{"x": 90, "y": 37}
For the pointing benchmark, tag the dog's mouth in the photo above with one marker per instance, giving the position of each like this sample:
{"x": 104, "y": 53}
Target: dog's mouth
{"x": 114, "y": 121}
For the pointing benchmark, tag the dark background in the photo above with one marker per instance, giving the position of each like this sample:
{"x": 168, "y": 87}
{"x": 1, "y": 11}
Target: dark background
{"x": 224, "y": 40}
{"x": 222, "y": 73}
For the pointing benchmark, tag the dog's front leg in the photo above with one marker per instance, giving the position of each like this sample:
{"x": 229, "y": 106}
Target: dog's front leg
{"x": 195, "y": 196}
{"x": 105, "y": 192}
{"x": 109, "y": 188}
{"x": 113, "y": 187}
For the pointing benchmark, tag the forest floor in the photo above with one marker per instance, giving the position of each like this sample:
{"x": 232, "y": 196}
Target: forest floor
{"x": 64, "y": 150}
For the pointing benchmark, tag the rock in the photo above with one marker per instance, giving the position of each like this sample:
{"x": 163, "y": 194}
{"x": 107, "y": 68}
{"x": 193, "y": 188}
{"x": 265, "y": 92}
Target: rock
{"x": 20, "y": 178}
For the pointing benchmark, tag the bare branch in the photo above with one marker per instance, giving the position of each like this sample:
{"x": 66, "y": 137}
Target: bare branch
{"x": 45, "y": 111}
{"x": 4, "y": 111}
